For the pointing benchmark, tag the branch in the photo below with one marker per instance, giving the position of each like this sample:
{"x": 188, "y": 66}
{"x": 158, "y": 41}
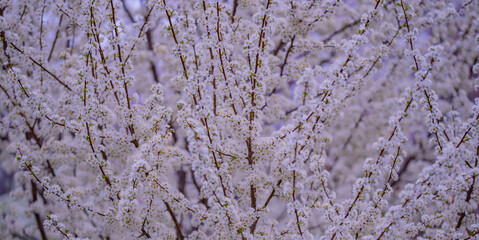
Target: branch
{"x": 42, "y": 67}
{"x": 37, "y": 216}
{"x": 177, "y": 225}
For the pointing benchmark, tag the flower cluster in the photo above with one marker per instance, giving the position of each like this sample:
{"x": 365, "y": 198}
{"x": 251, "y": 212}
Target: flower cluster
{"x": 239, "y": 119}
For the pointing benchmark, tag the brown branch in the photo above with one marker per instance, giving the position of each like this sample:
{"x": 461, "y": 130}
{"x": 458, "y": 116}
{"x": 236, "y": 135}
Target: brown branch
{"x": 345, "y": 27}
{"x": 168, "y": 14}
{"x": 105, "y": 177}
{"x": 251, "y": 113}
{"x": 462, "y": 215}
{"x": 67, "y": 201}
{"x": 42, "y": 67}
{"x": 286, "y": 56}
{"x": 235, "y": 6}
{"x": 177, "y": 225}
{"x": 271, "y": 195}
{"x": 55, "y": 39}
{"x": 37, "y": 216}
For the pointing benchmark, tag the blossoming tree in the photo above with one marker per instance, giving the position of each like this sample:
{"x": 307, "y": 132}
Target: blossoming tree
{"x": 239, "y": 119}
